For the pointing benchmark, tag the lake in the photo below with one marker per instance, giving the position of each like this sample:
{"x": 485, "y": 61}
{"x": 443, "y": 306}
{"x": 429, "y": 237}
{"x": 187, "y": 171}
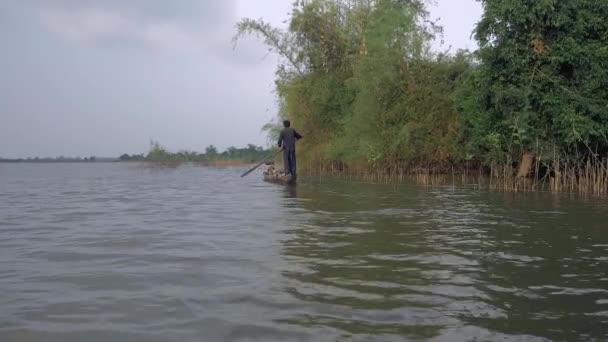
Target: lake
{"x": 128, "y": 252}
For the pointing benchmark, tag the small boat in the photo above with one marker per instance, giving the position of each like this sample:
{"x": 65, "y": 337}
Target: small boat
{"x": 279, "y": 179}
{"x": 272, "y": 175}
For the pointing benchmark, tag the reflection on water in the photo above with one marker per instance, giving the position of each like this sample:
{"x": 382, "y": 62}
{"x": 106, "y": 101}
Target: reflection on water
{"x": 126, "y": 253}
{"x": 291, "y": 191}
{"x": 443, "y": 264}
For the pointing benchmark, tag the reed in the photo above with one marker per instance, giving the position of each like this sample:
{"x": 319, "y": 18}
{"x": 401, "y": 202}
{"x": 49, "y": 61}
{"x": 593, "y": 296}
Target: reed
{"x": 557, "y": 175}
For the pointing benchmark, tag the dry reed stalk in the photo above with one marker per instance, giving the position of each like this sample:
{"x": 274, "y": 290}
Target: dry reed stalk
{"x": 558, "y": 175}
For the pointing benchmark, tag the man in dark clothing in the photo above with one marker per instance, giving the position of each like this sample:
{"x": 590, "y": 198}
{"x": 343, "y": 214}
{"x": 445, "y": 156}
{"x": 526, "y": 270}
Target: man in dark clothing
{"x": 287, "y": 143}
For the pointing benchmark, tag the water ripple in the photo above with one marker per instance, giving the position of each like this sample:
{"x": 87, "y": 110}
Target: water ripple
{"x": 124, "y": 252}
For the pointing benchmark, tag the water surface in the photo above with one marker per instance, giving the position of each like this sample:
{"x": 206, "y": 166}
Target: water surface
{"x": 121, "y": 252}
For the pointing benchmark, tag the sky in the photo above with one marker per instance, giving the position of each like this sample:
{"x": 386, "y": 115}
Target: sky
{"x": 105, "y": 77}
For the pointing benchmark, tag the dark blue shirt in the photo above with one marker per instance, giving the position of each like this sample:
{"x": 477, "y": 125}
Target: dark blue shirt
{"x": 288, "y": 138}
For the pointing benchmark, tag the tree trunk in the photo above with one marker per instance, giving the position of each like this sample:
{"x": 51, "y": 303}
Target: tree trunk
{"x": 527, "y": 161}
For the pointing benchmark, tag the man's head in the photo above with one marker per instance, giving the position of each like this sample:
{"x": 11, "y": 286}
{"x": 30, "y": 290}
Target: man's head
{"x": 286, "y": 123}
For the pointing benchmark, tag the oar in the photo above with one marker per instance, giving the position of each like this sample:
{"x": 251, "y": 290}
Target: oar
{"x": 260, "y": 164}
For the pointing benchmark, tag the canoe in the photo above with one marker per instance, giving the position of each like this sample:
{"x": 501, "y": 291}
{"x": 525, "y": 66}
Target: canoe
{"x": 273, "y": 175}
{"x": 279, "y": 178}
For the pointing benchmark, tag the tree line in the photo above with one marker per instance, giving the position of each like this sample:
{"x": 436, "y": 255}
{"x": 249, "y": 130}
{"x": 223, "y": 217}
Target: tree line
{"x": 358, "y": 77}
{"x": 157, "y": 153}
{"x": 60, "y": 159}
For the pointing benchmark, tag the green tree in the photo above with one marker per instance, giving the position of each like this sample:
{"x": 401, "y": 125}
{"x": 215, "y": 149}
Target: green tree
{"x": 358, "y": 77}
{"x": 542, "y": 82}
{"x": 211, "y": 152}
{"x": 157, "y": 152}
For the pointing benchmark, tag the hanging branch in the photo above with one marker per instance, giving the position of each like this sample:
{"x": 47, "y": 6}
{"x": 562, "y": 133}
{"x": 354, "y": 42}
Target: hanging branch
{"x": 273, "y": 37}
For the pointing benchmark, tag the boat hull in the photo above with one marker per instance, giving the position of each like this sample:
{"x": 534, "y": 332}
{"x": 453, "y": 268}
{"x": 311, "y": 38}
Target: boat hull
{"x": 280, "y": 179}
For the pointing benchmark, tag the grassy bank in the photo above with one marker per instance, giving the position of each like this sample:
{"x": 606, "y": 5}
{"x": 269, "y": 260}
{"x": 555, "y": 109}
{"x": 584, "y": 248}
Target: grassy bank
{"x": 231, "y": 157}
{"x": 527, "y": 110}
{"x": 559, "y": 176}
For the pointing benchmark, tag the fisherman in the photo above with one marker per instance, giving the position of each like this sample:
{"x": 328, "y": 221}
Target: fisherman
{"x": 287, "y": 144}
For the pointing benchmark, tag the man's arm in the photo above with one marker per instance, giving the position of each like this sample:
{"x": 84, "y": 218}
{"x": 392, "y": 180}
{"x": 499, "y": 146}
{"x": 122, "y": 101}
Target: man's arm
{"x": 297, "y": 135}
{"x": 280, "y": 142}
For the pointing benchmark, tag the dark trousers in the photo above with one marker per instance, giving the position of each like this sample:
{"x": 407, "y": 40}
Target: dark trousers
{"x": 289, "y": 161}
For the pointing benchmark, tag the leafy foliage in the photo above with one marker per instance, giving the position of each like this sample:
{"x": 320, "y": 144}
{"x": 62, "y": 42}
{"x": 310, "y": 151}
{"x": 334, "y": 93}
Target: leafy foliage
{"x": 157, "y": 153}
{"x": 542, "y": 79}
{"x": 359, "y": 81}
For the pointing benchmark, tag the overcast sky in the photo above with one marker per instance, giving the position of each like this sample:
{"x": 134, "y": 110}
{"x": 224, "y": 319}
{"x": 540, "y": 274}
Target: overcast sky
{"x": 103, "y": 77}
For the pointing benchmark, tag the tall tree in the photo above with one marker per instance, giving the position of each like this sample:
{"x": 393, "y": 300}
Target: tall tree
{"x": 542, "y": 82}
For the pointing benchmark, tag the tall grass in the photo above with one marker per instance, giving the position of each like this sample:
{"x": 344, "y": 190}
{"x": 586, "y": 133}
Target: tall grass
{"x": 559, "y": 175}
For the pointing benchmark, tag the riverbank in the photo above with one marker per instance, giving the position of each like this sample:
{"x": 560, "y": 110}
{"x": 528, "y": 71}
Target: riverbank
{"x": 214, "y": 163}
{"x": 211, "y": 163}
{"x": 589, "y": 178}
{"x": 232, "y": 156}
{"x": 527, "y": 110}
{"x": 58, "y": 160}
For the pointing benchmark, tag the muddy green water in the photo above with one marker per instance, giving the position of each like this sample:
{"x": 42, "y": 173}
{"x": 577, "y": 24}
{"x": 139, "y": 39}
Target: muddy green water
{"x": 121, "y": 252}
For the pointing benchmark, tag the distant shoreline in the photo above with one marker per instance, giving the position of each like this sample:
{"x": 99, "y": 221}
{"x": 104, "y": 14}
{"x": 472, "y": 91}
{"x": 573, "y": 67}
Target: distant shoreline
{"x": 157, "y": 155}
{"x": 26, "y": 161}
{"x": 212, "y": 163}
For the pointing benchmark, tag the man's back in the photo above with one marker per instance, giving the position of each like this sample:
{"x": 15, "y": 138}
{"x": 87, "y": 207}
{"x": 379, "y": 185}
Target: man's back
{"x": 288, "y": 137}
{"x": 287, "y": 140}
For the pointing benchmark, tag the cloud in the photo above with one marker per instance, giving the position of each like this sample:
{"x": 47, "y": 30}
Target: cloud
{"x": 196, "y": 27}
{"x": 154, "y": 24}
{"x": 99, "y": 25}
{"x": 103, "y": 77}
